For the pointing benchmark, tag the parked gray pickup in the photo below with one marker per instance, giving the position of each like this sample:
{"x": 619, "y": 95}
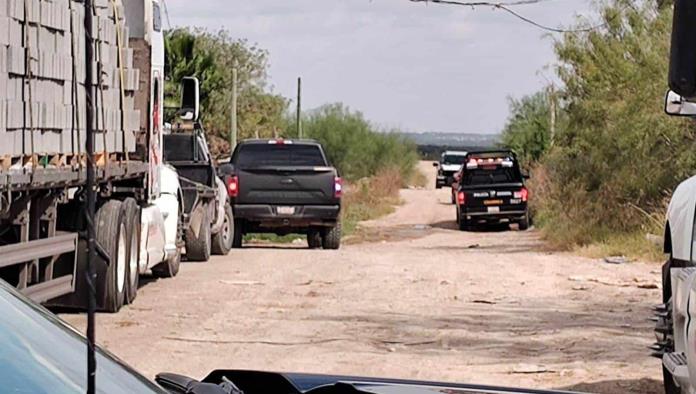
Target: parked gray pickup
{"x": 282, "y": 187}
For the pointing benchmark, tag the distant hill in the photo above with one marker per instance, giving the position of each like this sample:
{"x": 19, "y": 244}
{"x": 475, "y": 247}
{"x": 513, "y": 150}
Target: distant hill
{"x": 431, "y": 144}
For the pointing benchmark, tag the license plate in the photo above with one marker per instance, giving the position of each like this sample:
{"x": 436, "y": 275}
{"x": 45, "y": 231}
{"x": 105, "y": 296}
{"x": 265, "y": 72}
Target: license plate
{"x": 493, "y": 209}
{"x": 286, "y": 210}
{"x": 493, "y": 202}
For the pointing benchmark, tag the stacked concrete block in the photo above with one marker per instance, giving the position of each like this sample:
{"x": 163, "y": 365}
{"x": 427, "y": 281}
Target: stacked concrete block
{"x": 43, "y": 96}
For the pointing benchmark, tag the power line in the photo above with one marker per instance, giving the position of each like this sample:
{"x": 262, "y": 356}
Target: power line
{"x": 505, "y": 6}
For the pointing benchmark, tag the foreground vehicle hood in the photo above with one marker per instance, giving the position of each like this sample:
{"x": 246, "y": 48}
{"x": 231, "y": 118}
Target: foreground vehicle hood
{"x": 252, "y": 382}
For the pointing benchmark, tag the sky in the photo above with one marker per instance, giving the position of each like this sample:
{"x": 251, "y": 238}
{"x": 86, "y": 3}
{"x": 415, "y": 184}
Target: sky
{"x": 412, "y": 66}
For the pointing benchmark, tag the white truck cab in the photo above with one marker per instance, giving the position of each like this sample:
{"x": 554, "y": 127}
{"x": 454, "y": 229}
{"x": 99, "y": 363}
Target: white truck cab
{"x": 676, "y": 317}
{"x": 160, "y": 218}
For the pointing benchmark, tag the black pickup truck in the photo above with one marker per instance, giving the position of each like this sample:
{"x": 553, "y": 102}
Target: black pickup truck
{"x": 491, "y": 190}
{"x": 282, "y": 187}
{"x": 207, "y": 220}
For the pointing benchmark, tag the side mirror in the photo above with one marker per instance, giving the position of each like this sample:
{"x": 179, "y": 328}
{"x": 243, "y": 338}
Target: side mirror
{"x": 682, "y": 61}
{"x": 436, "y": 164}
{"x": 190, "y": 99}
{"x": 525, "y": 175}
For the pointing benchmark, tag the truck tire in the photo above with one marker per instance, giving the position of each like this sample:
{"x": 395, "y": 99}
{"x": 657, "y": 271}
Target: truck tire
{"x": 331, "y": 237}
{"x": 131, "y": 212}
{"x": 524, "y": 223}
{"x": 463, "y": 224}
{"x": 314, "y": 239}
{"x": 170, "y": 268}
{"x": 238, "y": 234}
{"x": 222, "y": 241}
{"x": 112, "y": 236}
{"x": 199, "y": 248}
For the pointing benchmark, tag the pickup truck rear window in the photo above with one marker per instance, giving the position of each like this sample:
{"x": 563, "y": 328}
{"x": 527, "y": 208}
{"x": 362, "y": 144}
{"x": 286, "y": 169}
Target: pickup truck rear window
{"x": 279, "y": 155}
{"x": 493, "y": 176}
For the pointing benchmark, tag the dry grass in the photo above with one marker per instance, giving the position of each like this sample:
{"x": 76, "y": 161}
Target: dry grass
{"x": 370, "y": 198}
{"x": 417, "y": 178}
{"x": 634, "y": 246}
{"x": 575, "y": 222}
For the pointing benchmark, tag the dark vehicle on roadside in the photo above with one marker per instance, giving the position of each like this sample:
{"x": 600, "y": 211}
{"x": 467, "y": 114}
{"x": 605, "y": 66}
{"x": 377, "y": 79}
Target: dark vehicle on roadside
{"x": 207, "y": 220}
{"x": 450, "y": 163}
{"x": 282, "y": 187}
{"x": 42, "y": 354}
{"x": 491, "y": 190}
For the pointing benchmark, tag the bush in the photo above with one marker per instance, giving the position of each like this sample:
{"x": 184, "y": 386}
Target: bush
{"x": 615, "y": 158}
{"x": 354, "y": 146}
{"x": 370, "y": 198}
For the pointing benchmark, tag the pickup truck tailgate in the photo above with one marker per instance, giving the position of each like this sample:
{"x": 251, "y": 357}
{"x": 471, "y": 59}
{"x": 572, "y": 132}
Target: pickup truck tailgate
{"x": 287, "y": 186}
{"x": 498, "y": 195}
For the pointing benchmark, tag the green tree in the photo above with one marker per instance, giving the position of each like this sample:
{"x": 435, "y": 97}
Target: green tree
{"x": 211, "y": 58}
{"x": 356, "y": 147}
{"x": 528, "y": 129}
{"x": 619, "y": 157}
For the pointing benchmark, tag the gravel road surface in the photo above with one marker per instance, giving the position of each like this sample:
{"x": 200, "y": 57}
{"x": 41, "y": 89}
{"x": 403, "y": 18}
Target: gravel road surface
{"x": 418, "y": 300}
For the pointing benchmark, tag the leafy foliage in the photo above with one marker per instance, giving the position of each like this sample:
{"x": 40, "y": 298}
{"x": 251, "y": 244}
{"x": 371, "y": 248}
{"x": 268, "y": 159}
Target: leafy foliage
{"x": 528, "y": 129}
{"x": 618, "y": 157}
{"x": 356, "y": 147}
{"x": 211, "y": 57}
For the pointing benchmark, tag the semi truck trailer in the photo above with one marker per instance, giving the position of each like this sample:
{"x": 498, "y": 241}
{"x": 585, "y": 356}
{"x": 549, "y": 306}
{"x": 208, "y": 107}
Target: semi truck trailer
{"x": 138, "y": 218}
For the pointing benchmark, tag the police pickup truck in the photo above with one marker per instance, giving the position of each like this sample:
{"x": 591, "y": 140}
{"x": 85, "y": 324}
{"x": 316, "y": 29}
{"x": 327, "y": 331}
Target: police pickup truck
{"x": 491, "y": 190}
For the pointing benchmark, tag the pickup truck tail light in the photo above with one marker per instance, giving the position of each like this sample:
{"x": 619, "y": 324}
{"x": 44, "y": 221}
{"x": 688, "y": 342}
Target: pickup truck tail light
{"x": 233, "y": 186}
{"x": 524, "y": 193}
{"x": 461, "y": 198}
{"x": 338, "y": 187}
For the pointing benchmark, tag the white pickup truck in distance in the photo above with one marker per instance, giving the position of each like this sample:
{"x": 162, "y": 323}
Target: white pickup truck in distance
{"x": 450, "y": 163}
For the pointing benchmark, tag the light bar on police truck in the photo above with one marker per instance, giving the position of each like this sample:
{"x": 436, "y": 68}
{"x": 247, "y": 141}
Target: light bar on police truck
{"x": 279, "y": 141}
{"x": 474, "y": 163}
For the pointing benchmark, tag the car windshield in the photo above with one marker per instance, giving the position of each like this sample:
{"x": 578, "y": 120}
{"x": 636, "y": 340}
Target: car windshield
{"x": 39, "y": 354}
{"x": 284, "y": 155}
{"x": 453, "y": 159}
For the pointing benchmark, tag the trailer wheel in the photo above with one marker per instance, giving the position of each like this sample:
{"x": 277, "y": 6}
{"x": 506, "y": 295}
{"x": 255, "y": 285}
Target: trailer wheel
{"x": 199, "y": 248}
{"x": 238, "y": 233}
{"x": 112, "y": 236}
{"x": 131, "y": 212}
{"x": 331, "y": 237}
{"x": 222, "y": 241}
{"x": 314, "y": 239}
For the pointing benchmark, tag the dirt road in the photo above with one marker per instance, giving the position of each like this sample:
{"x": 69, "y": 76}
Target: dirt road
{"x": 422, "y": 301}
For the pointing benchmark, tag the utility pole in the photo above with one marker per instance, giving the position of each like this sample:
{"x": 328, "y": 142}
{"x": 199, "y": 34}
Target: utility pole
{"x": 552, "y": 110}
{"x": 91, "y": 202}
{"x": 233, "y": 128}
{"x": 299, "y": 108}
